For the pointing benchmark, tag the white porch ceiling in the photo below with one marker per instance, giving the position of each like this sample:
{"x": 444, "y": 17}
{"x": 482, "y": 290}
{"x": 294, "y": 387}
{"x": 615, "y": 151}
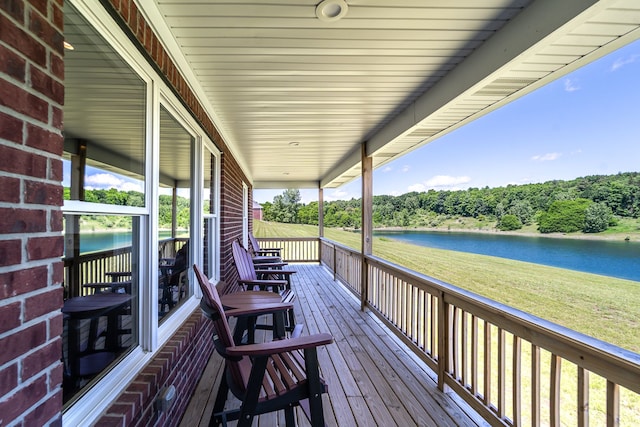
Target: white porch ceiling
{"x": 393, "y": 75}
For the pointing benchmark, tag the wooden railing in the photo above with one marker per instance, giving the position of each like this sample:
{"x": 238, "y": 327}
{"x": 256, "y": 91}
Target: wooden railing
{"x": 92, "y": 267}
{"x": 298, "y": 249}
{"x": 513, "y": 368}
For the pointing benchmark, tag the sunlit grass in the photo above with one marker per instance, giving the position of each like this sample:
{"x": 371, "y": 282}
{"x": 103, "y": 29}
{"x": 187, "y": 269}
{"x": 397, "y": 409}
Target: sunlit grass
{"x": 602, "y": 307}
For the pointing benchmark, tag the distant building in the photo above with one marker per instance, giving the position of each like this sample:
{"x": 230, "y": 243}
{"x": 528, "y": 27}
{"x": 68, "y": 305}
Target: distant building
{"x": 257, "y": 211}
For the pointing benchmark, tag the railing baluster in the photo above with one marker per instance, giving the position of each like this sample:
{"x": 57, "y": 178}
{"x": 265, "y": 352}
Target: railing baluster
{"x": 464, "y": 357}
{"x": 455, "y": 349}
{"x": 583, "y": 397}
{"x": 556, "y": 371}
{"x": 487, "y": 363}
{"x": 502, "y": 362}
{"x": 517, "y": 381}
{"x": 535, "y": 385}
{"x": 474, "y": 355}
{"x": 613, "y": 404}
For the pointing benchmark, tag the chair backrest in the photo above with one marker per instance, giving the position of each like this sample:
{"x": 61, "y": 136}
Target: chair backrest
{"x": 243, "y": 262}
{"x": 214, "y": 310}
{"x": 254, "y": 246}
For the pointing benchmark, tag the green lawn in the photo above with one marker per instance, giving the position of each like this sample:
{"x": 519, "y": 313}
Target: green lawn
{"x": 603, "y": 307}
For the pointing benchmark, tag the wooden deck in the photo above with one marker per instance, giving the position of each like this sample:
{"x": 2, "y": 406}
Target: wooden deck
{"x": 373, "y": 378}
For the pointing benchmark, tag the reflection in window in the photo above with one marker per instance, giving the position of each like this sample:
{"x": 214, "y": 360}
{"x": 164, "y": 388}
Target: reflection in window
{"x": 100, "y": 288}
{"x": 209, "y": 211}
{"x": 104, "y": 120}
{"x": 174, "y": 217}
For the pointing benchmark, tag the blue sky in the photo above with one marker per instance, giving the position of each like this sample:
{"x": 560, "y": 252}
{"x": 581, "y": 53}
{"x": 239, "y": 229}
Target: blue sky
{"x": 586, "y": 123}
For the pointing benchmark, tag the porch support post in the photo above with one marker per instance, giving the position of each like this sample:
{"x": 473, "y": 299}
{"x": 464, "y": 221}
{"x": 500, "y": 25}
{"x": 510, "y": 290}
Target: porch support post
{"x": 367, "y": 222}
{"x": 174, "y": 211}
{"x": 72, "y": 222}
{"x": 320, "y": 221}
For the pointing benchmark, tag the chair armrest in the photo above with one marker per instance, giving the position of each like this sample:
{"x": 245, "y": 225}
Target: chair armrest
{"x": 285, "y": 272}
{"x": 281, "y": 346}
{"x": 264, "y": 282}
{"x": 269, "y": 265}
{"x": 251, "y": 309}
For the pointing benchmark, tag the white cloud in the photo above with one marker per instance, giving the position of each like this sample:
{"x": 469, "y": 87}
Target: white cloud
{"x": 440, "y": 182}
{"x": 406, "y": 168}
{"x": 417, "y": 187}
{"x": 105, "y": 181}
{"x": 621, "y": 62}
{"x": 546, "y": 157}
{"x": 447, "y": 181}
{"x": 338, "y": 195}
{"x": 387, "y": 169}
{"x": 570, "y": 85}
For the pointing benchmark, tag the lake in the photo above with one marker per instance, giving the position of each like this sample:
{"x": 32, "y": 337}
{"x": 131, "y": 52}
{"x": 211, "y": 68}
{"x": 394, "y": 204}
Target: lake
{"x": 609, "y": 258}
{"x": 102, "y": 241}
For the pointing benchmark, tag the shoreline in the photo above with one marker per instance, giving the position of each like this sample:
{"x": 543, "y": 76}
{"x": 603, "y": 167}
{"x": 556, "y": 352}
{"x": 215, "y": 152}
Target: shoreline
{"x": 628, "y": 237}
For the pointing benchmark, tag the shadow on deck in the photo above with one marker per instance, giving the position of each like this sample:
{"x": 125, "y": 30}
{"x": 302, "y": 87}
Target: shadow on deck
{"x": 374, "y": 379}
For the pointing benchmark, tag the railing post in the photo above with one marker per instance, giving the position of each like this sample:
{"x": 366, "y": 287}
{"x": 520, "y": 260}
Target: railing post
{"x": 443, "y": 340}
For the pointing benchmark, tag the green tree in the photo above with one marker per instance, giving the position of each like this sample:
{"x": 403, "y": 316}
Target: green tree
{"x": 597, "y": 218}
{"x": 564, "y": 216}
{"x": 509, "y": 222}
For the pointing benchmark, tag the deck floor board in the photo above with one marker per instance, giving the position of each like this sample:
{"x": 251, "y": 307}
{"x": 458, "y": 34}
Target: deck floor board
{"x": 374, "y": 379}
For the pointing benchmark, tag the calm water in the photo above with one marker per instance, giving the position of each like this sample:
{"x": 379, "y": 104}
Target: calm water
{"x": 100, "y": 241}
{"x": 617, "y": 259}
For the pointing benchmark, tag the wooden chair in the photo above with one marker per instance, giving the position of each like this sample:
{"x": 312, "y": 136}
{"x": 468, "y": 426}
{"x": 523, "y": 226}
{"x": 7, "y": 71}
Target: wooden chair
{"x": 278, "y": 280}
{"x": 254, "y": 248}
{"x": 265, "y": 377}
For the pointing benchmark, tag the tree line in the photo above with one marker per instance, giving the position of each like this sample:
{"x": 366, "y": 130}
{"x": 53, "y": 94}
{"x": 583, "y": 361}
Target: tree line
{"x": 113, "y": 196}
{"x": 590, "y": 204}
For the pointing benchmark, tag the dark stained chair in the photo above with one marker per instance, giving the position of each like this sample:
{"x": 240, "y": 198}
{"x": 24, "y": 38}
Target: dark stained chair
{"x": 265, "y": 377}
{"x": 256, "y": 251}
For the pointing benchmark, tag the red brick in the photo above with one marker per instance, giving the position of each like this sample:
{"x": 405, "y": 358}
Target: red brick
{"x": 57, "y": 65}
{"x": 46, "y": 85}
{"x": 22, "y": 42}
{"x": 9, "y": 319}
{"x": 55, "y": 170}
{"x": 45, "y": 411}
{"x": 8, "y": 378}
{"x": 45, "y": 247}
{"x": 21, "y": 342}
{"x": 57, "y": 17}
{"x": 22, "y": 281}
{"x": 18, "y": 99}
{"x": 24, "y": 399}
{"x": 22, "y": 162}
{"x": 42, "y": 304}
{"x": 15, "y": 8}
{"x": 57, "y": 117}
{"x": 10, "y": 254}
{"x": 58, "y": 272}
{"x": 11, "y": 128}
{"x": 55, "y": 326}
{"x": 46, "y": 32}
{"x": 9, "y": 189}
{"x": 22, "y": 220}
{"x": 57, "y": 219}
{"x": 41, "y": 360}
{"x": 12, "y": 64}
{"x": 43, "y": 139}
{"x": 42, "y": 193}
{"x": 40, "y": 5}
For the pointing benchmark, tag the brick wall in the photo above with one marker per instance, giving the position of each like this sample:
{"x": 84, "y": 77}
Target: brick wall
{"x": 182, "y": 359}
{"x": 31, "y": 243}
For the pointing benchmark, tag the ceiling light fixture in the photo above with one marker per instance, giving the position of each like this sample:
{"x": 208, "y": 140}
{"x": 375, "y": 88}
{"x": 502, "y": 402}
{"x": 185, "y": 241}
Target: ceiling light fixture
{"x": 331, "y": 10}
{"x": 294, "y": 143}
{"x": 68, "y": 45}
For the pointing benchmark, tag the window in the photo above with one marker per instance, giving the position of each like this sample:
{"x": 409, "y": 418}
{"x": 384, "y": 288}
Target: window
{"x": 105, "y": 166}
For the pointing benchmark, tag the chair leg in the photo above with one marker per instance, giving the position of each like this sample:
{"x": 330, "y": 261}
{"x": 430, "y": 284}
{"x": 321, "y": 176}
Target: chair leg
{"x": 315, "y": 386}
{"x": 250, "y": 402}
{"x": 289, "y": 419}
{"x": 217, "y": 415}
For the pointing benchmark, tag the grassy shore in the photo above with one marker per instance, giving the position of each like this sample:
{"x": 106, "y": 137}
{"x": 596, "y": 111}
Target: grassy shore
{"x": 603, "y": 307}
